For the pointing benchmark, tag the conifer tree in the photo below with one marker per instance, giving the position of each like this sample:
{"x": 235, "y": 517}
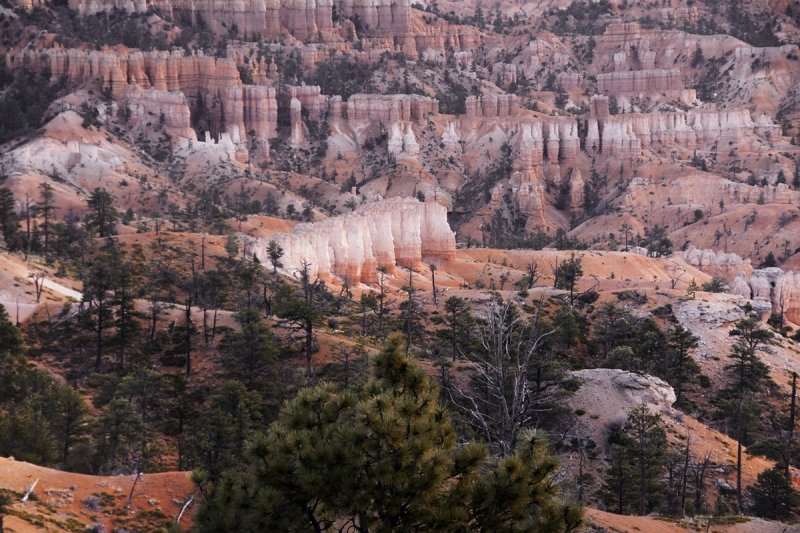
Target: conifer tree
{"x": 748, "y": 376}
{"x": 682, "y": 367}
{"x": 102, "y": 217}
{"x": 773, "y": 495}
{"x": 383, "y": 457}
{"x": 638, "y": 459}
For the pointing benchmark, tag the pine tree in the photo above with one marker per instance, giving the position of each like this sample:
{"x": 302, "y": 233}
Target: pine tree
{"x": 773, "y": 495}
{"x": 10, "y": 337}
{"x": 638, "y": 461}
{"x": 383, "y": 457}
{"x": 46, "y": 208}
{"x": 682, "y": 367}
{"x": 275, "y": 252}
{"x": 9, "y": 220}
{"x": 748, "y": 375}
{"x": 118, "y": 433}
{"x": 102, "y": 217}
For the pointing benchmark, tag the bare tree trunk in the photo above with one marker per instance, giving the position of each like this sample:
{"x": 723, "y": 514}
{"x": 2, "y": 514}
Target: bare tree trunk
{"x": 188, "y": 311}
{"x": 685, "y": 474}
{"x": 739, "y": 505}
{"x": 790, "y": 442}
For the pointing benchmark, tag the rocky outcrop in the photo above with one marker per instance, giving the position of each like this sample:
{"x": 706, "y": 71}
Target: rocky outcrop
{"x": 618, "y": 140}
{"x": 554, "y": 141}
{"x": 636, "y": 82}
{"x": 388, "y": 233}
{"x": 402, "y": 141}
{"x": 382, "y": 24}
{"x": 260, "y": 108}
{"x": 303, "y": 19}
{"x": 390, "y": 108}
{"x": 778, "y": 289}
{"x": 504, "y": 73}
{"x": 296, "y": 135}
{"x": 451, "y": 139}
{"x": 724, "y": 265}
{"x": 625, "y": 136}
{"x": 492, "y": 106}
{"x": 212, "y": 86}
{"x": 151, "y": 105}
{"x": 611, "y": 393}
{"x": 311, "y": 99}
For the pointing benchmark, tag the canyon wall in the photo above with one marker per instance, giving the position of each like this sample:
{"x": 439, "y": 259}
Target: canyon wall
{"x": 492, "y": 106}
{"x": 626, "y": 136}
{"x": 164, "y": 81}
{"x": 779, "y": 289}
{"x": 390, "y": 108}
{"x": 303, "y": 19}
{"x": 388, "y": 233}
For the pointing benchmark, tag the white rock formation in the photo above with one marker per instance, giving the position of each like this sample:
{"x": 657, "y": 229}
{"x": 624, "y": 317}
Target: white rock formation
{"x": 388, "y": 233}
{"x": 770, "y": 288}
{"x": 296, "y": 135}
{"x": 451, "y": 138}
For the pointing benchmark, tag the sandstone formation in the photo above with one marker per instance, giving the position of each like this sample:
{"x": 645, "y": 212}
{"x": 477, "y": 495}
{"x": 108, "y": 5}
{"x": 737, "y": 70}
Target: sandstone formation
{"x": 625, "y": 136}
{"x": 492, "y": 106}
{"x": 296, "y": 136}
{"x": 451, "y": 139}
{"x": 554, "y": 141}
{"x": 777, "y": 288}
{"x": 160, "y": 106}
{"x": 388, "y": 233}
{"x": 639, "y": 82}
{"x": 382, "y": 24}
{"x": 212, "y": 86}
{"x": 390, "y": 108}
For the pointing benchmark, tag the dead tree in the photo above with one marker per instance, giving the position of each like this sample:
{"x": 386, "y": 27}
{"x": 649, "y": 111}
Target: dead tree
{"x": 511, "y": 387}
{"x": 38, "y": 283}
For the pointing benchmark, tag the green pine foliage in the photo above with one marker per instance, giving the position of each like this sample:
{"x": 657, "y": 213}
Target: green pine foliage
{"x": 383, "y": 457}
{"x": 634, "y": 480}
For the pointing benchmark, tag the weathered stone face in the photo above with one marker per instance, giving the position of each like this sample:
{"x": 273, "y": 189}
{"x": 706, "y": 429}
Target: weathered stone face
{"x": 388, "y": 233}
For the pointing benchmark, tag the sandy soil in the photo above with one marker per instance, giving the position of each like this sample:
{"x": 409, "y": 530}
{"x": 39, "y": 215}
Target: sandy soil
{"x": 58, "y": 501}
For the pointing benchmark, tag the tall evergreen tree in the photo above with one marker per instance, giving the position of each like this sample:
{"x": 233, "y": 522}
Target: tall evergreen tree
{"x": 638, "y": 459}
{"x": 748, "y": 375}
{"x": 383, "y": 457}
{"x": 102, "y": 217}
{"x": 9, "y": 220}
{"x": 682, "y": 367}
{"x": 773, "y": 495}
{"x": 46, "y": 208}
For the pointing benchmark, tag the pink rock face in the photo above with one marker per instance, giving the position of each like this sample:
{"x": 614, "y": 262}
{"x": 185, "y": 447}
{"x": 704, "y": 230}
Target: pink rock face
{"x": 154, "y": 105}
{"x": 631, "y": 83}
{"x": 389, "y": 233}
{"x": 390, "y": 108}
{"x": 492, "y": 106}
{"x": 628, "y": 134}
{"x": 779, "y": 288}
{"x": 232, "y": 108}
{"x": 296, "y": 136}
{"x": 619, "y": 141}
{"x": 260, "y": 111}
{"x": 305, "y": 20}
{"x": 311, "y": 99}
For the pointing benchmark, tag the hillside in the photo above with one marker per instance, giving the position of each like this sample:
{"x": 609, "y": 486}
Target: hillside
{"x": 232, "y": 233}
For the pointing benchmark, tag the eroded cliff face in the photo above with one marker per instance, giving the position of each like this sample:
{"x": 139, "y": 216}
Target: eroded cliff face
{"x": 777, "y": 288}
{"x": 387, "y": 233}
{"x": 627, "y": 136}
{"x": 171, "y": 83}
{"x": 384, "y": 25}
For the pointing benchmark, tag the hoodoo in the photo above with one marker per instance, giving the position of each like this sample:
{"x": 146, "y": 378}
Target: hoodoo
{"x": 388, "y": 233}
